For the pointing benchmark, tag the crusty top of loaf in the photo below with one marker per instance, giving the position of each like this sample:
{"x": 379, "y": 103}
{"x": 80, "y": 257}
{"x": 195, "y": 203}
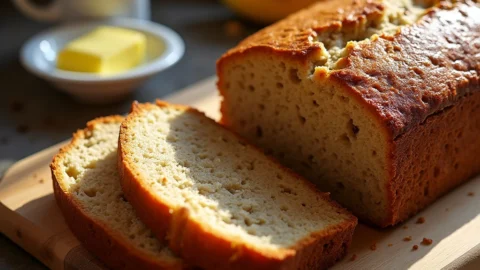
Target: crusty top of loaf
{"x": 403, "y": 76}
{"x": 296, "y": 34}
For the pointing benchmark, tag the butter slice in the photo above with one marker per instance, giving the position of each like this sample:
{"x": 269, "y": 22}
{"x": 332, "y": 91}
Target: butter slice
{"x": 106, "y": 50}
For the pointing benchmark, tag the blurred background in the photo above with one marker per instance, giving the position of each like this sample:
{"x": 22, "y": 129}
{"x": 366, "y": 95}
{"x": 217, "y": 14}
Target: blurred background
{"x": 34, "y": 115}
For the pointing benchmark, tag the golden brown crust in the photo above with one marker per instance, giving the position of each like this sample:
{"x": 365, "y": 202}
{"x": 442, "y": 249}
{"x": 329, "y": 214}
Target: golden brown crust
{"x": 199, "y": 246}
{"x": 434, "y": 157}
{"x": 420, "y": 70}
{"x": 95, "y": 236}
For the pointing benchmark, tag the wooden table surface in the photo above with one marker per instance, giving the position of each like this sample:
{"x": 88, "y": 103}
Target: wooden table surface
{"x": 34, "y": 116}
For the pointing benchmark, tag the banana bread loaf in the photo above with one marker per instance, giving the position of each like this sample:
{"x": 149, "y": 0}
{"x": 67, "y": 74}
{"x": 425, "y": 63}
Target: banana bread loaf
{"x": 376, "y": 102}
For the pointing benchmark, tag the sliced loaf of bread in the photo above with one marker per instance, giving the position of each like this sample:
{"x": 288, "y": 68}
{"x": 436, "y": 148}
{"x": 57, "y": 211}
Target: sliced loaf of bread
{"x": 88, "y": 192}
{"x": 222, "y": 203}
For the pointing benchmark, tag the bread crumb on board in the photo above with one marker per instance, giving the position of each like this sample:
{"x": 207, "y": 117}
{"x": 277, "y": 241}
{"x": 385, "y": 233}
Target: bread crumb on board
{"x": 41, "y": 181}
{"x": 415, "y": 247}
{"x": 373, "y": 246}
{"x": 353, "y": 258}
{"x": 420, "y": 220}
{"x": 407, "y": 239}
{"x": 427, "y": 241}
{"x": 389, "y": 245}
{"x": 471, "y": 194}
{"x": 405, "y": 227}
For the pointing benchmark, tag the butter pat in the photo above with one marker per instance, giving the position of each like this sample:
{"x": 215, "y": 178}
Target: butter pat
{"x": 106, "y": 50}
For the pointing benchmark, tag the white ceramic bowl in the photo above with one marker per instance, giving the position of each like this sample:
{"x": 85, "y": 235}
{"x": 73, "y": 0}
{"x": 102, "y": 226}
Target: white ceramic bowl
{"x": 39, "y": 55}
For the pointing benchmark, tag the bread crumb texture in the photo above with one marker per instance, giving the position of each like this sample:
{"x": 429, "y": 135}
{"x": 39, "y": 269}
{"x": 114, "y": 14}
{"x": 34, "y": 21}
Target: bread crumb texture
{"x": 190, "y": 162}
{"x": 90, "y": 178}
{"x": 420, "y": 220}
{"x": 427, "y": 241}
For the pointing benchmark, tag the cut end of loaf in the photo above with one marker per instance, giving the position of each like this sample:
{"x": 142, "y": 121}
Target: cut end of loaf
{"x": 312, "y": 125}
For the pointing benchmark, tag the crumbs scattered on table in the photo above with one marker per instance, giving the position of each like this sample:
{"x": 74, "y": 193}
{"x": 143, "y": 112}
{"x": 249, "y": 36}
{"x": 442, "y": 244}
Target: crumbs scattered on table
{"x": 16, "y": 106}
{"x": 420, "y": 220}
{"x": 353, "y": 258}
{"x": 407, "y": 239}
{"x": 389, "y": 245}
{"x": 41, "y": 181}
{"x": 415, "y": 247}
{"x": 427, "y": 241}
{"x": 471, "y": 194}
{"x": 373, "y": 246}
{"x": 234, "y": 29}
{"x": 405, "y": 227}
{"x": 22, "y": 128}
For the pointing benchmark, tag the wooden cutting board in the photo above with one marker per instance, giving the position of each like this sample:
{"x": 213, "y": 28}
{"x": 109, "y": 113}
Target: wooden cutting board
{"x": 30, "y": 217}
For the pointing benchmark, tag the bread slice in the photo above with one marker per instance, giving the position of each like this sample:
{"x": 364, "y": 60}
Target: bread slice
{"x": 88, "y": 192}
{"x": 376, "y": 102}
{"x": 222, "y": 203}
